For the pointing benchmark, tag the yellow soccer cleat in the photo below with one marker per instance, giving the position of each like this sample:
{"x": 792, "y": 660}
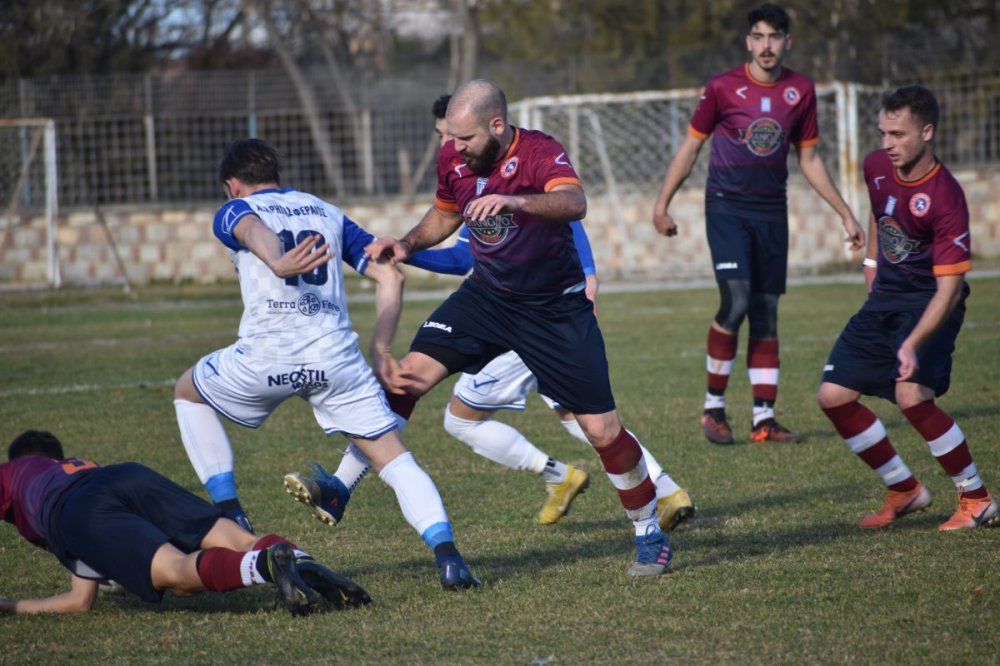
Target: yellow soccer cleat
{"x": 561, "y": 495}
{"x": 674, "y": 509}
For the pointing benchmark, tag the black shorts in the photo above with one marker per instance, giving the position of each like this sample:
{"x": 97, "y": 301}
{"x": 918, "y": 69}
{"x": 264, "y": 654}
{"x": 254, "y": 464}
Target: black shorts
{"x": 556, "y": 336}
{"x": 864, "y": 356}
{"x": 118, "y": 517}
{"x": 748, "y": 241}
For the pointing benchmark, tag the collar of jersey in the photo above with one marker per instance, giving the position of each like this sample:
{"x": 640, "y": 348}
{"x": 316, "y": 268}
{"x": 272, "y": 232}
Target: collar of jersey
{"x": 764, "y": 84}
{"x": 273, "y": 190}
{"x": 920, "y": 181}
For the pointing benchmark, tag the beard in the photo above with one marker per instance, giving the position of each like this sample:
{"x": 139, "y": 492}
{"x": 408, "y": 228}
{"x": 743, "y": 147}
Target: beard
{"x": 483, "y": 162}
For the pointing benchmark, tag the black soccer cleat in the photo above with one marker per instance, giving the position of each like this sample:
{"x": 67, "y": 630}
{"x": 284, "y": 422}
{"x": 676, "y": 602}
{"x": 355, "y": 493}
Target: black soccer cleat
{"x": 339, "y": 591}
{"x": 293, "y": 592}
{"x": 455, "y": 574}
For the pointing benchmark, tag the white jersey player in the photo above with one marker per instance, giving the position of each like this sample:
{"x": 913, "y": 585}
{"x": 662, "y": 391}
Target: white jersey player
{"x": 295, "y": 339}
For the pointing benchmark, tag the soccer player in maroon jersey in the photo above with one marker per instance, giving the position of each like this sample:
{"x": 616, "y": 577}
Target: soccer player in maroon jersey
{"x": 517, "y": 193}
{"x": 899, "y": 345}
{"x": 755, "y": 111}
{"x": 127, "y": 523}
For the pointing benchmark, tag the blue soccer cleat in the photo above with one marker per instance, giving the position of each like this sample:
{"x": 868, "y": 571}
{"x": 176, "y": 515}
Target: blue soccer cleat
{"x": 324, "y": 494}
{"x": 653, "y": 553}
{"x": 455, "y": 574}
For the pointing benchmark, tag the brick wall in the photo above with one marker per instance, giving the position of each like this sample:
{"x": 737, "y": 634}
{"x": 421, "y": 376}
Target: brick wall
{"x": 177, "y": 244}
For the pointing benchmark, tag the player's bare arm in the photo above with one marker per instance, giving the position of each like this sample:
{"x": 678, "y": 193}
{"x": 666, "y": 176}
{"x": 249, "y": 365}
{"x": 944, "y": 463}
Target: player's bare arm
{"x": 80, "y": 597}
{"x": 678, "y": 171}
{"x": 819, "y": 178}
{"x": 563, "y": 203}
{"x": 388, "y": 305}
{"x": 435, "y": 226}
{"x": 871, "y": 256}
{"x": 265, "y": 244}
{"x": 947, "y": 296}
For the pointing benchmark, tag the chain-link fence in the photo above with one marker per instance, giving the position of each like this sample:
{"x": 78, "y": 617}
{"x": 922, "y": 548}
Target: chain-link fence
{"x": 141, "y": 139}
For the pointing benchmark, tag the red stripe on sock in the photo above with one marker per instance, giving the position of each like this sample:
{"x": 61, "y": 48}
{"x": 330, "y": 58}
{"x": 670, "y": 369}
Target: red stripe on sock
{"x": 622, "y": 455}
{"x": 722, "y": 347}
{"x": 929, "y": 420}
{"x": 956, "y": 460}
{"x": 638, "y": 497}
{"x": 269, "y": 540}
{"x": 851, "y": 419}
{"x": 219, "y": 569}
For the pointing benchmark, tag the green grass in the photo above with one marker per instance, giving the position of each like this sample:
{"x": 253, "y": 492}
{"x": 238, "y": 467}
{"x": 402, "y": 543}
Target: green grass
{"x": 772, "y": 569}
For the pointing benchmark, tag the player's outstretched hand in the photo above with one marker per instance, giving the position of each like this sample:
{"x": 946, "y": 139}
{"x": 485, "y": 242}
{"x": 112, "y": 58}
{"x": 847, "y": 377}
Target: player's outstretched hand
{"x": 303, "y": 258}
{"x": 855, "y": 234}
{"x": 664, "y": 224}
{"x": 386, "y": 248}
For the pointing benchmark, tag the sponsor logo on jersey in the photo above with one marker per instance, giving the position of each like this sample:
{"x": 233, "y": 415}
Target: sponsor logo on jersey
{"x": 892, "y": 239}
{"x": 493, "y": 230}
{"x": 920, "y": 204}
{"x": 509, "y": 167}
{"x": 890, "y": 205}
{"x": 765, "y": 105}
{"x": 481, "y": 185}
{"x": 791, "y": 96}
{"x": 309, "y": 304}
{"x": 763, "y": 137}
{"x": 437, "y": 325}
{"x": 727, "y": 266}
{"x": 300, "y": 380}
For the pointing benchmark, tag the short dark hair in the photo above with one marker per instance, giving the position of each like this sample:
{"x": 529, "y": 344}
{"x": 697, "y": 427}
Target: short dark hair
{"x": 922, "y": 103}
{"x": 35, "y": 443}
{"x": 252, "y": 161}
{"x": 440, "y": 108}
{"x": 773, "y": 15}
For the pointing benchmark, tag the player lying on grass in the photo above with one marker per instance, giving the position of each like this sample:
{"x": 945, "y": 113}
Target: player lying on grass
{"x": 128, "y": 523}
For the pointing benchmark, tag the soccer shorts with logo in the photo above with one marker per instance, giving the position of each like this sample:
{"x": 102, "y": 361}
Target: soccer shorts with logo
{"x": 749, "y": 241}
{"x": 556, "y": 336}
{"x": 864, "y": 356}
{"x": 343, "y": 392}
{"x": 116, "y": 518}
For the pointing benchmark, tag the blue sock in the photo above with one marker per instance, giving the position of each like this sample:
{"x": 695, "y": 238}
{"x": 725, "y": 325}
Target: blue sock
{"x": 221, "y": 487}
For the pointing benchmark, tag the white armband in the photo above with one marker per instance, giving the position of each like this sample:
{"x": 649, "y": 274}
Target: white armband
{"x": 869, "y": 263}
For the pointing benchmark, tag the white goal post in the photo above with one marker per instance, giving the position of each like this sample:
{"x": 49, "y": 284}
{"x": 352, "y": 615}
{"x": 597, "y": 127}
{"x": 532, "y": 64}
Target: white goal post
{"x": 29, "y": 195}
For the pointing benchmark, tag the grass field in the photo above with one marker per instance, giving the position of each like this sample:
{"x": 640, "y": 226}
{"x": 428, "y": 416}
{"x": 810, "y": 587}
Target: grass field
{"x": 772, "y": 569}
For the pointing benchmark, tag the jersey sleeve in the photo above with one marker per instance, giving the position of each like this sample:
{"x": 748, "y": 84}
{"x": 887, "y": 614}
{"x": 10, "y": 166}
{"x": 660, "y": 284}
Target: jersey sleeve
{"x": 454, "y": 260}
{"x": 550, "y": 166}
{"x": 952, "y": 240}
{"x": 355, "y": 241}
{"x": 583, "y": 249}
{"x": 226, "y": 219}
{"x": 704, "y": 117}
{"x": 447, "y": 163}
{"x": 806, "y": 131}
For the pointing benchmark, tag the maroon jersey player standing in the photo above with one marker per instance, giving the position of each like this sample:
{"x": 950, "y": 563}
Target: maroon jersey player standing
{"x": 899, "y": 345}
{"x": 755, "y": 112}
{"x": 517, "y": 193}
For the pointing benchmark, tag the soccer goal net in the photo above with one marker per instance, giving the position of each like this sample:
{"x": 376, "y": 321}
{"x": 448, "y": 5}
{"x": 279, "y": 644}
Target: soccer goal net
{"x": 28, "y": 204}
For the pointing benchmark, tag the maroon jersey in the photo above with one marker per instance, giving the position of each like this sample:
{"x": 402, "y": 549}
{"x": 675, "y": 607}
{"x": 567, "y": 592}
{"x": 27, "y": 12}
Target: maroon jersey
{"x": 29, "y": 485}
{"x": 515, "y": 252}
{"x": 753, "y": 124}
{"x": 923, "y": 228}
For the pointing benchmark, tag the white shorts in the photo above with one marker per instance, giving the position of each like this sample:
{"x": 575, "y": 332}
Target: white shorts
{"x": 343, "y": 392}
{"x": 504, "y": 383}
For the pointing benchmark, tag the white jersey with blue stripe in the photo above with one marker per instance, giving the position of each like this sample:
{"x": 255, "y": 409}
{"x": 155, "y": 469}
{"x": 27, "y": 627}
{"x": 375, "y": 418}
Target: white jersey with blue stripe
{"x": 302, "y": 319}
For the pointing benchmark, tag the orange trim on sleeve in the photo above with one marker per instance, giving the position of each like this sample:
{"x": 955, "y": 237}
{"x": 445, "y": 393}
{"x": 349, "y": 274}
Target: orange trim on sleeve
{"x": 696, "y": 134}
{"x": 565, "y": 180}
{"x": 953, "y": 269}
{"x": 446, "y": 207}
{"x": 808, "y": 143}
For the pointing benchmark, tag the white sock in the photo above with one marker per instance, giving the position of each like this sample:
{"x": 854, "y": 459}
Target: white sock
{"x": 204, "y": 439}
{"x": 353, "y": 467}
{"x": 497, "y": 442}
{"x": 573, "y": 428}
{"x": 713, "y": 401}
{"x": 762, "y": 414}
{"x": 415, "y": 491}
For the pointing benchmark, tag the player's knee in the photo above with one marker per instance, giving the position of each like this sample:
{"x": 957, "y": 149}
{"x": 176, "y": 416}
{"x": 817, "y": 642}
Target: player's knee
{"x": 763, "y": 314}
{"x": 734, "y": 303}
{"x": 459, "y": 428}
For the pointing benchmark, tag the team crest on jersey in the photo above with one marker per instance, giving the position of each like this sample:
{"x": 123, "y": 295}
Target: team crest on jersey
{"x": 920, "y": 203}
{"x": 309, "y": 304}
{"x": 791, "y": 96}
{"x": 493, "y": 230}
{"x": 481, "y": 185}
{"x": 763, "y": 137}
{"x": 893, "y": 240}
{"x": 509, "y": 167}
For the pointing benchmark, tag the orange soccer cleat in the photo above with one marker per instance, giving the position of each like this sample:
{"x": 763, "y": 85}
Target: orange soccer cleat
{"x": 897, "y": 504}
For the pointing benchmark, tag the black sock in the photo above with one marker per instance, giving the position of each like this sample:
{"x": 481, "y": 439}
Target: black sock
{"x": 445, "y": 550}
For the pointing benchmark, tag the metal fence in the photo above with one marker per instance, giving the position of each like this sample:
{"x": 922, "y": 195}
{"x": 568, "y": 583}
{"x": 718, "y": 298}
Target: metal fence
{"x": 142, "y": 139}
